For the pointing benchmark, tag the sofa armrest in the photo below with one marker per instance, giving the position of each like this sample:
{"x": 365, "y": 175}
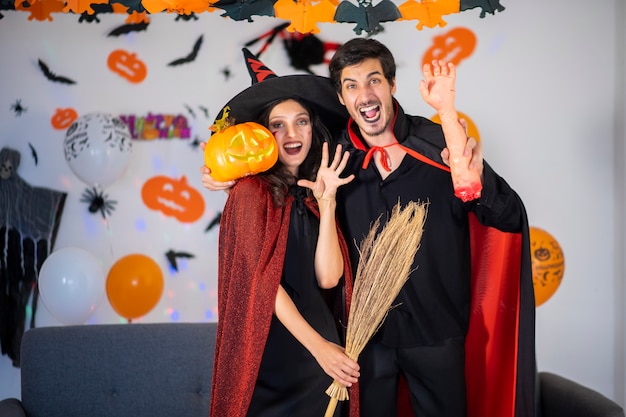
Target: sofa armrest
{"x": 11, "y": 407}
{"x": 561, "y": 397}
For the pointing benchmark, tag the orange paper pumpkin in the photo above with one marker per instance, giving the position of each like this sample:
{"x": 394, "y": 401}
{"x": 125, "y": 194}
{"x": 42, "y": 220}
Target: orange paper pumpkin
{"x": 127, "y": 65}
{"x": 134, "y": 285}
{"x": 548, "y": 264}
{"x": 63, "y": 118}
{"x": 453, "y": 46}
{"x": 240, "y": 150}
{"x": 472, "y": 130}
{"x": 173, "y": 198}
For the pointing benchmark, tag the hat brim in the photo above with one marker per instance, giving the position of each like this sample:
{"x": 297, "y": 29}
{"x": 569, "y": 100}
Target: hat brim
{"x": 315, "y": 90}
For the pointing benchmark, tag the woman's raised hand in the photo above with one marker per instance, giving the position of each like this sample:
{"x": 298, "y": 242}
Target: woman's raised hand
{"x": 328, "y": 181}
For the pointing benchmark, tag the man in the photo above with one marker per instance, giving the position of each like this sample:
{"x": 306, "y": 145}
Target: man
{"x": 397, "y": 157}
{"x": 460, "y": 338}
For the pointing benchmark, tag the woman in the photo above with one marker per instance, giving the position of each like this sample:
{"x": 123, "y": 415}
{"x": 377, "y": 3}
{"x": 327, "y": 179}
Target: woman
{"x": 281, "y": 256}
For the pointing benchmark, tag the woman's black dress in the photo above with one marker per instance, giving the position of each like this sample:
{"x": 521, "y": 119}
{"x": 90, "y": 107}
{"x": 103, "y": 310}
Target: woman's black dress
{"x": 290, "y": 382}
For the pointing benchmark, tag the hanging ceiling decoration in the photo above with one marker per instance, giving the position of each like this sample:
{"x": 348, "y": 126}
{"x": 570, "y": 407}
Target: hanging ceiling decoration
{"x": 303, "y": 15}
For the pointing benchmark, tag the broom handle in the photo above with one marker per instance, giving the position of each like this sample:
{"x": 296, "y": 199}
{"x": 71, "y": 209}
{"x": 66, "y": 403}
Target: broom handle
{"x": 330, "y": 410}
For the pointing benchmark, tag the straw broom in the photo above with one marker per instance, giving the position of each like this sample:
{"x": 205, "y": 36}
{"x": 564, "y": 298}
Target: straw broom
{"x": 384, "y": 266}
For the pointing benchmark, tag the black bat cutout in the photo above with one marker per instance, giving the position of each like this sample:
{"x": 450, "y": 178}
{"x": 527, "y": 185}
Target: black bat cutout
{"x": 214, "y": 222}
{"x": 171, "y": 256}
{"x": 205, "y": 110}
{"x": 191, "y": 57}
{"x": 52, "y": 76}
{"x": 33, "y": 152}
{"x": 190, "y": 110}
{"x": 487, "y": 6}
{"x": 128, "y": 28}
{"x": 245, "y": 9}
{"x": 367, "y": 18}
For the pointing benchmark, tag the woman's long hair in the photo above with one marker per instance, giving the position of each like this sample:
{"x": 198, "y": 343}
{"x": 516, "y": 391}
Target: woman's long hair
{"x": 278, "y": 177}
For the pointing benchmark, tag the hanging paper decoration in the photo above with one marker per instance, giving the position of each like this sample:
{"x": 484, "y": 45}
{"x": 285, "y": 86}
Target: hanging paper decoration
{"x": 429, "y": 13}
{"x": 548, "y": 264}
{"x": 367, "y": 17}
{"x": 29, "y": 220}
{"x": 174, "y": 198}
{"x": 157, "y": 126}
{"x": 303, "y": 15}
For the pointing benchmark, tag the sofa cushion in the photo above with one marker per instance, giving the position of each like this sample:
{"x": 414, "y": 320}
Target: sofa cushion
{"x": 134, "y": 370}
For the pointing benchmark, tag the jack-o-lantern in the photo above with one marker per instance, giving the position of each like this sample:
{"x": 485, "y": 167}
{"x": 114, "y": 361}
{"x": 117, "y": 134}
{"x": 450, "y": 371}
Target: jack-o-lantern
{"x": 453, "y": 46}
{"x": 63, "y": 118}
{"x": 127, "y": 65}
{"x": 237, "y": 150}
{"x": 548, "y": 264}
{"x": 173, "y": 198}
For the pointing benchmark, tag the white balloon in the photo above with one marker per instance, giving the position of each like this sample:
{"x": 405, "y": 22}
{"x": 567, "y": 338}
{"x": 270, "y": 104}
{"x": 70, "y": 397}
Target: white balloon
{"x": 71, "y": 285}
{"x": 98, "y": 148}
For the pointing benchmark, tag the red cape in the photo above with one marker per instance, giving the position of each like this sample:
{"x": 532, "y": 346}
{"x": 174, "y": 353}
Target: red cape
{"x": 252, "y": 244}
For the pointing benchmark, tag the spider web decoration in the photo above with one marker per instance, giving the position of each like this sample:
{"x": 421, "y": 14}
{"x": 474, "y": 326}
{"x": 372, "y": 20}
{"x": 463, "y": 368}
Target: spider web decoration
{"x": 98, "y": 201}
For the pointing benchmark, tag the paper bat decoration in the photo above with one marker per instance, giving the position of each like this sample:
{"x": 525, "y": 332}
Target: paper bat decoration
{"x": 33, "y": 152}
{"x": 214, "y": 222}
{"x": 429, "y": 12}
{"x": 487, "y": 6}
{"x": 245, "y": 9}
{"x": 189, "y": 58}
{"x": 132, "y": 5}
{"x": 366, "y": 16}
{"x": 52, "y": 76}
{"x": 172, "y": 256}
{"x": 205, "y": 111}
{"x": 128, "y": 28}
{"x": 303, "y": 15}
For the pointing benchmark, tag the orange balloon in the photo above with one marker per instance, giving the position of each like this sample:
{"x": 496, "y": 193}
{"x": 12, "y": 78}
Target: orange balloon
{"x": 134, "y": 285}
{"x": 548, "y": 264}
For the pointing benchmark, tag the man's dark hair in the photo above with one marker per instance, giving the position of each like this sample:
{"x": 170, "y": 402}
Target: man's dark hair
{"x": 356, "y": 51}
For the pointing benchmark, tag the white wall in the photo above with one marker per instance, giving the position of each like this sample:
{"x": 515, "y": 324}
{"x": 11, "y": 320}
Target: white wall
{"x": 541, "y": 86}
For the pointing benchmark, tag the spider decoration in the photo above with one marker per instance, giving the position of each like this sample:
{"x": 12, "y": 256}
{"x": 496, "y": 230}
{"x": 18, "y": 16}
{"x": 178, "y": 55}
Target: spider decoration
{"x": 98, "y": 201}
{"x": 18, "y": 108}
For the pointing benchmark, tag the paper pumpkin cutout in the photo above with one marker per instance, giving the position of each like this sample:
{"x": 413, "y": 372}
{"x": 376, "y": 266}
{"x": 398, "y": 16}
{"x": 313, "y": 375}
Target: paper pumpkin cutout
{"x": 242, "y": 149}
{"x": 453, "y": 46}
{"x": 429, "y": 13}
{"x": 304, "y": 15}
{"x": 548, "y": 264}
{"x": 127, "y": 65}
{"x": 82, "y": 6}
{"x": 176, "y": 6}
{"x": 174, "y": 198}
{"x": 63, "y": 118}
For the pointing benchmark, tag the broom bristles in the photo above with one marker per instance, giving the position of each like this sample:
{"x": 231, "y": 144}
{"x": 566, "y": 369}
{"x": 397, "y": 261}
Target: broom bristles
{"x": 383, "y": 269}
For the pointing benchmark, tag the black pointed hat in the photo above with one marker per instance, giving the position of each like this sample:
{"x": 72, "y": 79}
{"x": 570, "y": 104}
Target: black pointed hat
{"x": 317, "y": 91}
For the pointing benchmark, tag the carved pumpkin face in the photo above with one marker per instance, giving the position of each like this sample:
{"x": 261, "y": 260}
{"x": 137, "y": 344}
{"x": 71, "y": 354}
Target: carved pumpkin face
{"x": 127, "y": 65}
{"x": 240, "y": 150}
{"x": 173, "y": 198}
{"x": 453, "y": 46}
{"x": 63, "y": 118}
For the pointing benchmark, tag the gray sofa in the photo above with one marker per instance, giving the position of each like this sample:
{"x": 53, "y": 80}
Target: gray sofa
{"x": 164, "y": 370}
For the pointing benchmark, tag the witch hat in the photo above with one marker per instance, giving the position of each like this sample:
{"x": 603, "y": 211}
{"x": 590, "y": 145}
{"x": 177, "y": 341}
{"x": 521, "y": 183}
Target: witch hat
{"x": 317, "y": 91}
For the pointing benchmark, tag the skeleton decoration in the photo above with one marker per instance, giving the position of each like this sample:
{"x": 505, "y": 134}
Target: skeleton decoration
{"x": 29, "y": 220}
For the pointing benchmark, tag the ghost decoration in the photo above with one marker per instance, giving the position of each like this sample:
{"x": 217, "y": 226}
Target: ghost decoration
{"x": 29, "y": 220}
{"x": 98, "y": 148}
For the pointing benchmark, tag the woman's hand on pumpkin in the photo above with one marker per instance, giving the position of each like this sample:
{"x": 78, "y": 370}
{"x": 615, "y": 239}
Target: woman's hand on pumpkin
{"x": 211, "y": 183}
{"x": 328, "y": 181}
